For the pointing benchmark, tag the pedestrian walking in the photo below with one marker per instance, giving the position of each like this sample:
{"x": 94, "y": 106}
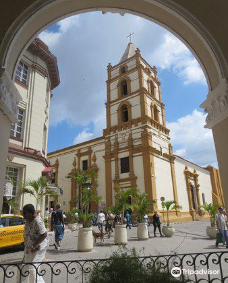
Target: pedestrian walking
{"x": 157, "y": 223}
{"x": 100, "y": 220}
{"x": 35, "y": 243}
{"x": 57, "y": 224}
{"x": 128, "y": 219}
{"x": 108, "y": 223}
{"x": 221, "y": 225}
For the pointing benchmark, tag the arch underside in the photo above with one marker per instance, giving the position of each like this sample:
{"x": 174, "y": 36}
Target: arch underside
{"x": 165, "y": 13}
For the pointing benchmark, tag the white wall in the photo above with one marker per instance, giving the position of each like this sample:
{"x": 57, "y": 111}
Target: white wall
{"x": 163, "y": 179}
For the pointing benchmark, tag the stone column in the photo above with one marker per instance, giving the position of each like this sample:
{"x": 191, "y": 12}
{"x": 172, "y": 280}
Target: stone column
{"x": 9, "y": 99}
{"x": 173, "y": 174}
{"x": 148, "y": 166}
{"x": 108, "y": 173}
{"x": 216, "y": 107}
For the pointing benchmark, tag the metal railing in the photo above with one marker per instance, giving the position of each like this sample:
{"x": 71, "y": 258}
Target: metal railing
{"x": 201, "y": 267}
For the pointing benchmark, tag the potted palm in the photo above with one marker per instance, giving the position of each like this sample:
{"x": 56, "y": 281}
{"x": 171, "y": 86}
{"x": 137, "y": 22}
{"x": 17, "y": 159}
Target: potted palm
{"x": 212, "y": 210}
{"x": 142, "y": 206}
{"x": 168, "y": 230}
{"x": 85, "y": 197}
{"x": 121, "y": 205}
{"x": 38, "y": 189}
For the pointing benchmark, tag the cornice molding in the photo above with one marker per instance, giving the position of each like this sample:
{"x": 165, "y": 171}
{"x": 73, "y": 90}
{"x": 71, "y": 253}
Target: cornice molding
{"x": 216, "y": 105}
{"x": 9, "y": 97}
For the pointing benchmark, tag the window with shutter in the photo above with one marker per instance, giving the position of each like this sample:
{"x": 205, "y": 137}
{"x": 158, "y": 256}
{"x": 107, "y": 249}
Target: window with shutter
{"x": 124, "y": 165}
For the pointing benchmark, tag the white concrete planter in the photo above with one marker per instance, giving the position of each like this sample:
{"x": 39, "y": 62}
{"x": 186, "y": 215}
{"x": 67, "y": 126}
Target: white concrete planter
{"x": 72, "y": 226}
{"x": 168, "y": 231}
{"x": 211, "y": 232}
{"x": 79, "y": 226}
{"x": 120, "y": 235}
{"x": 142, "y": 231}
{"x": 85, "y": 240}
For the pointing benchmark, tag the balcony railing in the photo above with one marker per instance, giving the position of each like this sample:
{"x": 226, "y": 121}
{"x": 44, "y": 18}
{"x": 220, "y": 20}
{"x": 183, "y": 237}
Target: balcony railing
{"x": 202, "y": 267}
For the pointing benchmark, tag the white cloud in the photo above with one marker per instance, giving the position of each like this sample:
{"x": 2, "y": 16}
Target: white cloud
{"x": 173, "y": 54}
{"x": 191, "y": 140}
{"x": 85, "y": 135}
{"x": 85, "y": 44}
{"x": 88, "y": 134}
{"x": 51, "y": 38}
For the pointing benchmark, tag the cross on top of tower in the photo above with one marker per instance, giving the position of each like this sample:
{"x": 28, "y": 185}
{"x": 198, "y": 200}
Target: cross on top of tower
{"x": 131, "y": 33}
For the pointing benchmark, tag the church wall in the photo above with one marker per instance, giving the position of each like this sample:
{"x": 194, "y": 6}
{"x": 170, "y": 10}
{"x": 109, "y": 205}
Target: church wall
{"x": 135, "y": 109}
{"x": 100, "y": 152}
{"x": 203, "y": 180}
{"x": 114, "y": 90}
{"x": 138, "y": 170}
{"x": 134, "y": 81}
{"x": 159, "y": 142}
{"x": 163, "y": 180}
{"x": 181, "y": 185}
{"x": 65, "y": 166}
{"x": 116, "y": 71}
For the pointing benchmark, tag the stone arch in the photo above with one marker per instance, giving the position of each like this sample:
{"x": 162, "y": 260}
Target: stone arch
{"x": 172, "y": 16}
{"x": 151, "y": 87}
{"x": 184, "y": 20}
{"x": 124, "y": 87}
{"x": 124, "y": 106}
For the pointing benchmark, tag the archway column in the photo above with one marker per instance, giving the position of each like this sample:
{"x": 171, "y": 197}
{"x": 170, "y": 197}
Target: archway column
{"x": 216, "y": 107}
{"x": 9, "y": 99}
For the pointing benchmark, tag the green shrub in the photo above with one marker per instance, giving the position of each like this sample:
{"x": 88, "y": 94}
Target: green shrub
{"x": 124, "y": 266}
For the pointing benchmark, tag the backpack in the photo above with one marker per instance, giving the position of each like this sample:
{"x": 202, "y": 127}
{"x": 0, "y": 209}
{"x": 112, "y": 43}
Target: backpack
{"x": 56, "y": 216}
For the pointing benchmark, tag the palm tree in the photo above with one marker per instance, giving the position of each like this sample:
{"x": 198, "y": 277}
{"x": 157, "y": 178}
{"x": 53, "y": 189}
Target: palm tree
{"x": 85, "y": 182}
{"x": 168, "y": 205}
{"x": 142, "y": 205}
{"x": 212, "y": 210}
{"x": 84, "y": 179}
{"x": 38, "y": 189}
{"x": 122, "y": 201}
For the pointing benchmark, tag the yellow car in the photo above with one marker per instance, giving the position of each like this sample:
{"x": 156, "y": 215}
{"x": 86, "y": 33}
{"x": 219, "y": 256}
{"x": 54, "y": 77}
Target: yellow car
{"x": 11, "y": 230}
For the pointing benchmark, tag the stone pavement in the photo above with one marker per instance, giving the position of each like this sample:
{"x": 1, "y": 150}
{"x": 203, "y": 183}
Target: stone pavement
{"x": 189, "y": 238}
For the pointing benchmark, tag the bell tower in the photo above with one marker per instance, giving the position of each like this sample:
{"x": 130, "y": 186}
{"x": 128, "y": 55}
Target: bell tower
{"x": 136, "y": 124}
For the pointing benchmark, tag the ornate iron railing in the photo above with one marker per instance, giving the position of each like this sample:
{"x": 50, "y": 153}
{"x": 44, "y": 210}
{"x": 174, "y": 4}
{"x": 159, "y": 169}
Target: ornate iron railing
{"x": 201, "y": 267}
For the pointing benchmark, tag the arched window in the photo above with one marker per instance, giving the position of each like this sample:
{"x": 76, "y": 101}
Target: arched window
{"x": 124, "y": 113}
{"x": 122, "y": 70}
{"x": 156, "y": 114}
{"x": 124, "y": 90}
{"x": 152, "y": 88}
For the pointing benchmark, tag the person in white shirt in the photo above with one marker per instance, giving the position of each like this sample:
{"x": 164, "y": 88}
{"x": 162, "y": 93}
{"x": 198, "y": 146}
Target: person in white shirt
{"x": 100, "y": 220}
{"x": 221, "y": 224}
{"x": 36, "y": 243}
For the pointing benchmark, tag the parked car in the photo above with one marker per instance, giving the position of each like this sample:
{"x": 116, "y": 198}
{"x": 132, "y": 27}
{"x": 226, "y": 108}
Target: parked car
{"x": 11, "y": 230}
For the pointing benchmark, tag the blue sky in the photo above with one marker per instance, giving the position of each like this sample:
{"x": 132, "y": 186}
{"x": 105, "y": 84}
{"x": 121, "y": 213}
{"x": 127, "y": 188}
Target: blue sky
{"x": 85, "y": 44}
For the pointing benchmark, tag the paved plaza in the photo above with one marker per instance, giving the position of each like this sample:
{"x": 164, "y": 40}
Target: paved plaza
{"x": 189, "y": 238}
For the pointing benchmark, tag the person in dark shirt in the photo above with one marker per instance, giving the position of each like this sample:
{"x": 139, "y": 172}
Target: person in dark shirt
{"x": 157, "y": 223}
{"x": 57, "y": 224}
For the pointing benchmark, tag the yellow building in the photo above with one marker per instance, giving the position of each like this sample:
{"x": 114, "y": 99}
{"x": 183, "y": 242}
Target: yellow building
{"x": 36, "y": 76}
{"x": 135, "y": 149}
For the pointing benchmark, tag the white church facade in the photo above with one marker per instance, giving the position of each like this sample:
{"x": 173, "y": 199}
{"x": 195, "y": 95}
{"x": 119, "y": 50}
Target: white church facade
{"x": 135, "y": 150}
